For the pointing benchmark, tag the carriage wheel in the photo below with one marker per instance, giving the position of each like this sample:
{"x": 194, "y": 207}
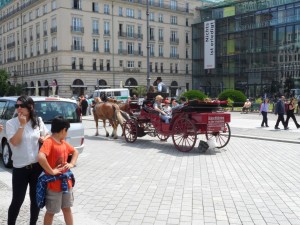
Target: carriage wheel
{"x": 184, "y": 135}
{"x": 222, "y": 137}
{"x": 130, "y": 131}
{"x": 162, "y": 137}
{"x": 151, "y": 130}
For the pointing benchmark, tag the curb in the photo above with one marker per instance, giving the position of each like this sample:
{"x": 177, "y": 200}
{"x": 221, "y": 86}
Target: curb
{"x": 265, "y": 138}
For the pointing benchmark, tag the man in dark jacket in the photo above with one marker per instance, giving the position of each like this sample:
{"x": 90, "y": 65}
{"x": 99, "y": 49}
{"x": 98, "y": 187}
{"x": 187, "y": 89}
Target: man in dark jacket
{"x": 280, "y": 110}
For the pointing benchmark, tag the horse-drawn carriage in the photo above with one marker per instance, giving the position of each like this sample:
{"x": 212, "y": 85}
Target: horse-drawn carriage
{"x": 195, "y": 117}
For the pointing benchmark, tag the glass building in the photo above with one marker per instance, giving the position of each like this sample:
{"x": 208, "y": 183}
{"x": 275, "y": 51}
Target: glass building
{"x": 252, "y": 46}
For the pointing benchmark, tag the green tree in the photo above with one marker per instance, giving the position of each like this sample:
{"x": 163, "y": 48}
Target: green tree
{"x": 140, "y": 91}
{"x": 194, "y": 94}
{"x": 3, "y": 82}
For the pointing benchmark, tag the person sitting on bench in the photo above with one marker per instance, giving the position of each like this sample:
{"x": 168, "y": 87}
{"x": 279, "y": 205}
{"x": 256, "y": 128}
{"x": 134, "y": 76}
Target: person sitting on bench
{"x": 246, "y": 106}
{"x": 158, "y": 107}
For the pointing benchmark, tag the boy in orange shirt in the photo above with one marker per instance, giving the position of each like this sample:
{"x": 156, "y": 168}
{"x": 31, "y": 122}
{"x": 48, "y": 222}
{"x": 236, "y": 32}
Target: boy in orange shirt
{"x": 53, "y": 157}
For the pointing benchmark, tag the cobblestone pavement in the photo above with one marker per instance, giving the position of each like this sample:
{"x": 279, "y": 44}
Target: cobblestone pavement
{"x": 250, "y": 181}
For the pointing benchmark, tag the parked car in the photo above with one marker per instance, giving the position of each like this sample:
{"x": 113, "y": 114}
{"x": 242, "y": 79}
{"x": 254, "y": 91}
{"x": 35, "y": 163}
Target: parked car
{"x": 47, "y": 108}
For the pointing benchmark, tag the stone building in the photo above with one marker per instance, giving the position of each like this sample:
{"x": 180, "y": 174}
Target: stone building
{"x": 81, "y": 45}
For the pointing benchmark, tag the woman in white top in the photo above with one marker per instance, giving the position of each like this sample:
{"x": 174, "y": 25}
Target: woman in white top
{"x": 24, "y": 133}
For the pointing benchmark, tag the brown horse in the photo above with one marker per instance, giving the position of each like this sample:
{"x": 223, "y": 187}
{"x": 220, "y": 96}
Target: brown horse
{"x": 111, "y": 112}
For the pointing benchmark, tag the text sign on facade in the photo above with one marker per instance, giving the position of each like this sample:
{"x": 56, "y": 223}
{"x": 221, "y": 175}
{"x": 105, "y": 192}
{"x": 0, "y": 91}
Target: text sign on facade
{"x": 209, "y": 44}
{"x": 215, "y": 123}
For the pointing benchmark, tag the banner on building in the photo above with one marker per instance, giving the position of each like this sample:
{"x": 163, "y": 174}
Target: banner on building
{"x": 209, "y": 44}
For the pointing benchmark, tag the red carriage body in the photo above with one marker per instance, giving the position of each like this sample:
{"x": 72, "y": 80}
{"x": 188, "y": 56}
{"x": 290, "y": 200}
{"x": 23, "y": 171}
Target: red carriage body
{"x": 187, "y": 122}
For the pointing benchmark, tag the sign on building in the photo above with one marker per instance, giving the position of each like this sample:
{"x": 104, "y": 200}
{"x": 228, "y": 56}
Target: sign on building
{"x": 209, "y": 44}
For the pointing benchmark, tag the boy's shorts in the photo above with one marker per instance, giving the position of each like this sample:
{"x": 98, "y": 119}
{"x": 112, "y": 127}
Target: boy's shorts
{"x": 58, "y": 200}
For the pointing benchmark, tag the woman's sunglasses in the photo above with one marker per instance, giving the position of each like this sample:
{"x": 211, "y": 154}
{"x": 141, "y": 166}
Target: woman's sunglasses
{"x": 20, "y": 105}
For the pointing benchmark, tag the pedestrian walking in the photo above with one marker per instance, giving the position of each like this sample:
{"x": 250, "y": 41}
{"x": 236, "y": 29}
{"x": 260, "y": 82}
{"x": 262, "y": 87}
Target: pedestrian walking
{"x": 290, "y": 113}
{"x": 264, "y": 108}
{"x": 24, "y": 133}
{"x": 84, "y": 105}
{"x": 53, "y": 158}
{"x": 280, "y": 110}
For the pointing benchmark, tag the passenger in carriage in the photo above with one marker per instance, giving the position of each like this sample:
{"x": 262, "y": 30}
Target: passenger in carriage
{"x": 158, "y": 107}
{"x": 182, "y": 103}
{"x": 167, "y": 109}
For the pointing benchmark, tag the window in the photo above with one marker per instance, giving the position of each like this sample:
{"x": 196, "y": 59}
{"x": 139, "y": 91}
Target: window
{"x": 94, "y": 64}
{"x": 101, "y": 65}
{"x": 176, "y": 67}
{"x": 130, "y": 13}
{"x": 151, "y": 49}
{"x": 187, "y": 53}
{"x": 187, "y": 7}
{"x": 53, "y": 4}
{"x": 106, "y": 9}
{"x": 38, "y": 48}
{"x": 120, "y": 11}
{"x": 130, "y": 64}
{"x": 76, "y": 24}
{"x": 140, "y": 64}
{"x": 121, "y": 63}
{"x": 77, "y": 4}
{"x": 140, "y": 49}
{"x": 37, "y": 12}
{"x": 161, "y": 67}
{"x": 151, "y": 16}
{"x": 161, "y": 50}
{"x": 160, "y": 18}
{"x": 187, "y": 38}
{"x": 187, "y": 68}
{"x": 77, "y": 43}
{"x": 174, "y": 35}
{"x": 152, "y": 34}
{"x": 73, "y": 63}
{"x": 173, "y": 53}
{"x": 171, "y": 67}
{"x": 106, "y": 28}
{"x": 187, "y": 22}
{"x": 45, "y": 9}
{"x": 151, "y": 69}
{"x": 140, "y": 35}
{"x": 120, "y": 46}
{"x": 95, "y": 45}
{"x": 81, "y": 63}
{"x": 130, "y": 47}
{"x": 161, "y": 35}
{"x": 54, "y": 44}
{"x": 95, "y": 7}
{"x": 156, "y": 67}
{"x": 95, "y": 27}
{"x": 139, "y": 14}
{"x": 106, "y": 46}
{"x": 45, "y": 28}
{"x": 161, "y": 3}
{"x": 130, "y": 30}
{"x": 173, "y": 4}
{"x": 173, "y": 19}
{"x": 108, "y": 65}
{"x": 45, "y": 46}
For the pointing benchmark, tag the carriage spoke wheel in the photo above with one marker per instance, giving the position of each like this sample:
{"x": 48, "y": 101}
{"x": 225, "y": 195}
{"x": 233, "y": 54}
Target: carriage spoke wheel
{"x": 130, "y": 131}
{"x": 184, "y": 135}
{"x": 162, "y": 137}
{"x": 222, "y": 137}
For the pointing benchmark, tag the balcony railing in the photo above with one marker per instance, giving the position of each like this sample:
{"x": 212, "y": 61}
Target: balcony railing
{"x": 95, "y": 31}
{"x": 77, "y": 48}
{"x": 174, "y": 56}
{"x": 11, "y": 59}
{"x": 125, "y": 52}
{"x": 53, "y": 30}
{"x": 174, "y": 41}
{"x": 77, "y": 29}
{"x": 161, "y": 39}
{"x": 53, "y": 48}
{"x": 106, "y": 33}
{"x": 107, "y": 50}
{"x": 11, "y": 45}
{"x": 95, "y": 49}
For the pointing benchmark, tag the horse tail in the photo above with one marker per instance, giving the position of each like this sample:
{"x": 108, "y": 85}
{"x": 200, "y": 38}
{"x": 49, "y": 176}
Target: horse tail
{"x": 125, "y": 115}
{"x": 118, "y": 114}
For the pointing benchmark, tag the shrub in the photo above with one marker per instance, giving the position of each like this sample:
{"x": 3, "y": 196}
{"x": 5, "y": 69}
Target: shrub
{"x": 194, "y": 94}
{"x": 237, "y": 96}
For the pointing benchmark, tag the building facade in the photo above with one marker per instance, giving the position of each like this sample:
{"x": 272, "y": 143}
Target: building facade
{"x": 81, "y": 45}
{"x": 255, "y": 47}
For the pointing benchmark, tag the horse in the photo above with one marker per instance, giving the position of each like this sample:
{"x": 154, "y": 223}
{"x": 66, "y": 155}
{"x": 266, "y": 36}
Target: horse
{"x": 111, "y": 112}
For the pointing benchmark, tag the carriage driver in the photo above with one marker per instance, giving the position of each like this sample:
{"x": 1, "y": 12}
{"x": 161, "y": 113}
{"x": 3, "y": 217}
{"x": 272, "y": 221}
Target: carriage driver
{"x": 158, "y": 107}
